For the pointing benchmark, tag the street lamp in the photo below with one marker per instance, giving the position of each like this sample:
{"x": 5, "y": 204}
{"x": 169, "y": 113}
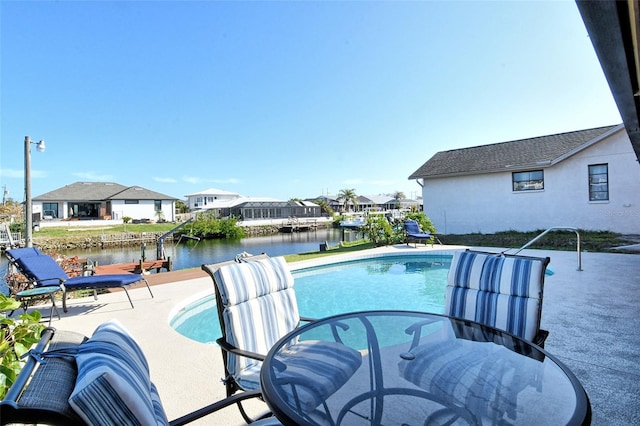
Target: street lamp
{"x": 28, "y": 208}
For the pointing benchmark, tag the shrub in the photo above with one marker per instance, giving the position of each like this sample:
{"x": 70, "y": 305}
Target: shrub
{"x": 207, "y": 226}
{"x": 17, "y": 337}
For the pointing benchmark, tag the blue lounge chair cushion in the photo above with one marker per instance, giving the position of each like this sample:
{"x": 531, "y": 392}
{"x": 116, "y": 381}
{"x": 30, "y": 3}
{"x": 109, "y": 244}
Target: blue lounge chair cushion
{"x": 413, "y": 230}
{"x": 102, "y": 281}
{"x": 23, "y": 252}
{"x": 44, "y": 269}
{"x": 48, "y": 272}
{"x": 113, "y": 386}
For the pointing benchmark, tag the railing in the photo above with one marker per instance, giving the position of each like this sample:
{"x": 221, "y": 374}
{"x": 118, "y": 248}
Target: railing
{"x": 8, "y": 238}
{"x": 558, "y": 228}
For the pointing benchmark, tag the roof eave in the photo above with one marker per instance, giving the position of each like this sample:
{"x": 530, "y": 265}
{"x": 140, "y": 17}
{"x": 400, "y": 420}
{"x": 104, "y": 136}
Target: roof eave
{"x": 613, "y": 28}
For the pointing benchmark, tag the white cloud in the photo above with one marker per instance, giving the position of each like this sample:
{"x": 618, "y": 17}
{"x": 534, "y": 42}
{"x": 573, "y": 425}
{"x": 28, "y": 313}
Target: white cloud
{"x": 19, "y": 173}
{"x": 192, "y": 179}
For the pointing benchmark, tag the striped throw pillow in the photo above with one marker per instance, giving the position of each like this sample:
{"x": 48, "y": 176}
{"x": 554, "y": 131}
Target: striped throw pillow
{"x": 113, "y": 386}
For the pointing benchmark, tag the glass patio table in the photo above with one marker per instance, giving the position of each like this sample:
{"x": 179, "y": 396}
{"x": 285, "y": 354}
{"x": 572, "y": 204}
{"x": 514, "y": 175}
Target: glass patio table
{"x": 422, "y": 369}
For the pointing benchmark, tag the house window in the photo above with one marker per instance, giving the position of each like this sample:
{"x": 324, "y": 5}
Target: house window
{"x": 599, "y": 182}
{"x": 84, "y": 210}
{"x": 157, "y": 205}
{"x": 528, "y": 181}
{"x": 50, "y": 210}
{"x": 131, "y": 201}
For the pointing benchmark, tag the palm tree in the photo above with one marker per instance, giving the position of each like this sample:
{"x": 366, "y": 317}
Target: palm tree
{"x": 397, "y": 196}
{"x": 324, "y": 206}
{"x": 348, "y": 196}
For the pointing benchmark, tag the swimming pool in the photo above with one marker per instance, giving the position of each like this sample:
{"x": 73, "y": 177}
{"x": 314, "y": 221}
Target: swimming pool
{"x": 414, "y": 283}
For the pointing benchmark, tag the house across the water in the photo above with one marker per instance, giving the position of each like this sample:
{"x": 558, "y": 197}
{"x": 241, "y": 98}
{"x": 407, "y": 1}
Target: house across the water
{"x": 104, "y": 201}
{"x": 226, "y": 204}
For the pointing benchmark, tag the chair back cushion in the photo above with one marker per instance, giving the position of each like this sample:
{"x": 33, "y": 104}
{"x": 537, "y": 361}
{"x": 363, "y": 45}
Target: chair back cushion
{"x": 113, "y": 386}
{"x": 412, "y": 227}
{"x": 259, "y": 307}
{"x": 44, "y": 269}
{"x": 501, "y": 291}
{"x": 23, "y": 252}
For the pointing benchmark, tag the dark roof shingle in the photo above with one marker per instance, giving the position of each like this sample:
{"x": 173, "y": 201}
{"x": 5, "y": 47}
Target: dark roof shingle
{"x": 520, "y": 154}
{"x": 99, "y": 191}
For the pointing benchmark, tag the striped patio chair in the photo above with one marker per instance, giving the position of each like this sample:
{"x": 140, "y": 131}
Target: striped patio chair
{"x": 503, "y": 292}
{"x": 257, "y": 307}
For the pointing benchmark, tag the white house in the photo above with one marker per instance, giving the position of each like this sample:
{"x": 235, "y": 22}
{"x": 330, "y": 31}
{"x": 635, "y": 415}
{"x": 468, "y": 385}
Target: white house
{"x": 204, "y": 200}
{"x": 104, "y": 200}
{"x": 588, "y": 179}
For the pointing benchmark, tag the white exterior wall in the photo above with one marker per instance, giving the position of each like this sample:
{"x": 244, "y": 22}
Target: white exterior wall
{"x": 168, "y": 210}
{"x": 487, "y": 204}
{"x": 192, "y": 200}
{"x": 145, "y": 209}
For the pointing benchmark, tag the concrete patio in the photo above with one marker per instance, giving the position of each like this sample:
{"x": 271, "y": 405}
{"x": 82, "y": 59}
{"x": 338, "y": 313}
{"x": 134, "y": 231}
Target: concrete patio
{"x": 593, "y": 317}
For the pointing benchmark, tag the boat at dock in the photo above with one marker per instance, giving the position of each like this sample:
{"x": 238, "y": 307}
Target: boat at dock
{"x": 353, "y": 221}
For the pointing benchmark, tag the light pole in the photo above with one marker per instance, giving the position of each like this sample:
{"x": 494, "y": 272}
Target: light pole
{"x": 28, "y": 208}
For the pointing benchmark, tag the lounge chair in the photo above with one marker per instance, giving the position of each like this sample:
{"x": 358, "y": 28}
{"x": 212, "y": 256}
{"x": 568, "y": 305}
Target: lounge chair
{"x": 43, "y": 271}
{"x": 256, "y": 307}
{"x": 70, "y": 379}
{"x": 415, "y": 234}
{"x": 23, "y": 291}
{"x": 501, "y": 291}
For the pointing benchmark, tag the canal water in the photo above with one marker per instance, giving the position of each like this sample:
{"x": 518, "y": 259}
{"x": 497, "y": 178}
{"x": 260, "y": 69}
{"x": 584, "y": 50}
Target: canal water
{"x": 192, "y": 254}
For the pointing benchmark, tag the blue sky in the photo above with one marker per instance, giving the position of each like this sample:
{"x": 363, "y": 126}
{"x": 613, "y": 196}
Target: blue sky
{"x": 282, "y": 99}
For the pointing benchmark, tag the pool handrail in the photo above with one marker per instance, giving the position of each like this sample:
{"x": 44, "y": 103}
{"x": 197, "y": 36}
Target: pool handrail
{"x": 556, "y": 228}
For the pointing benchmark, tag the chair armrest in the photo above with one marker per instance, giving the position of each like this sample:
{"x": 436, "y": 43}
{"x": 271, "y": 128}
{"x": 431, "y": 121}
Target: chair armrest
{"x": 25, "y": 374}
{"x": 416, "y": 330}
{"x": 233, "y": 399}
{"x": 334, "y": 327}
{"x": 230, "y": 348}
{"x": 60, "y": 280}
{"x": 541, "y": 337}
{"x": 307, "y": 319}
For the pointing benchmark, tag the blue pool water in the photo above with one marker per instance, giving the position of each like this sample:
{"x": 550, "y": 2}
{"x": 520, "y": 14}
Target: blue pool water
{"x": 403, "y": 282}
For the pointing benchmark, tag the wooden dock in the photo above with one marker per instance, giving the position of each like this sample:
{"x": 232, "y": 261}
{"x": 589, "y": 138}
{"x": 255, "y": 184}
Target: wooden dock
{"x": 298, "y": 225}
{"x": 133, "y": 267}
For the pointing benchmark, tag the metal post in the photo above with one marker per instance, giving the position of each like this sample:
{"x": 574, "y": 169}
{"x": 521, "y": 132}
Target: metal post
{"x": 28, "y": 205}
{"x": 28, "y": 215}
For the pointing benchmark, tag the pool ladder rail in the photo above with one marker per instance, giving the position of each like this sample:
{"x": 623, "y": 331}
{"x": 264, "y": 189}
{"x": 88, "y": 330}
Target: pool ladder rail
{"x": 557, "y": 228}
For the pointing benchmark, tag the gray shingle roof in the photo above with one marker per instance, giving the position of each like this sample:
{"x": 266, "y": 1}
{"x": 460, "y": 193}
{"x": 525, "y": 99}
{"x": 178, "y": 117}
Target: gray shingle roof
{"x": 99, "y": 191}
{"x": 139, "y": 193}
{"x": 514, "y": 155}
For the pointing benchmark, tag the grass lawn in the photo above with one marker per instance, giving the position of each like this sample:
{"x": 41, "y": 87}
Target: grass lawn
{"x": 594, "y": 241}
{"x": 601, "y": 241}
